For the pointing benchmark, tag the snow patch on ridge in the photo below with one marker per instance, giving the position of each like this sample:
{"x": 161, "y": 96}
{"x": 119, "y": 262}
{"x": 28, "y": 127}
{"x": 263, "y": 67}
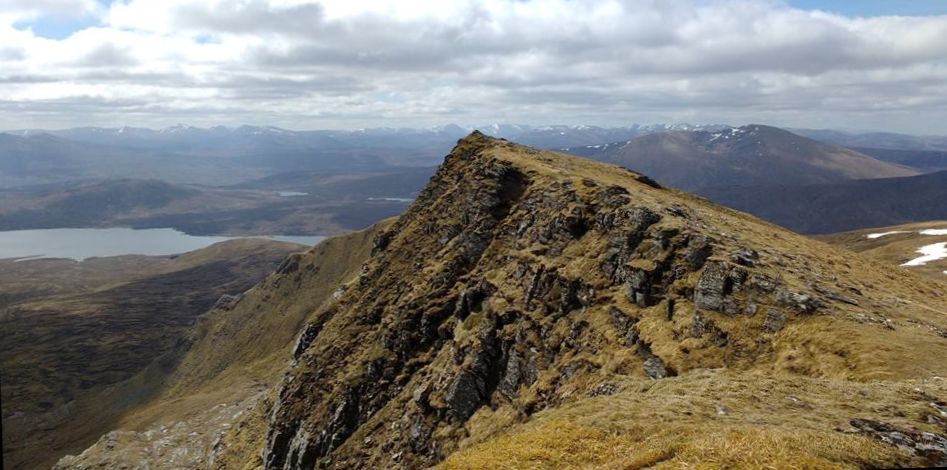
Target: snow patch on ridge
{"x": 873, "y": 236}
{"x": 930, "y": 253}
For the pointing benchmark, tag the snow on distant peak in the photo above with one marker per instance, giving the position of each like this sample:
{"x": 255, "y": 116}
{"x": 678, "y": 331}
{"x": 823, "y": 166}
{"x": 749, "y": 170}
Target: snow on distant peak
{"x": 934, "y": 231}
{"x": 176, "y": 128}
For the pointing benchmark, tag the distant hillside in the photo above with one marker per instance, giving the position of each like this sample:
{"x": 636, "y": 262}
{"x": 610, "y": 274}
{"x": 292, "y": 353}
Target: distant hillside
{"x": 843, "y": 206}
{"x": 901, "y": 245}
{"x": 300, "y": 203}
{"x": 920, "y": 160}
{"x": 71, "y": 330}
{"x": 88, "y": 204}
{"x": 884, "y": 140}
{"x": 31, "y": 158}
{"x": 752, "y": 155}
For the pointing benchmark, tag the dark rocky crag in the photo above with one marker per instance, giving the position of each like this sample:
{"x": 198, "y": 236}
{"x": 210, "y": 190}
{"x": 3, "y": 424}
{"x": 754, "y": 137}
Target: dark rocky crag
{"x": 519, "y": 280}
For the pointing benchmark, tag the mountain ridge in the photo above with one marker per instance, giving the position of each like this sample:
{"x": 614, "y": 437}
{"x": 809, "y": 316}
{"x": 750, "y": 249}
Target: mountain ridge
{"x": 752, "y": 155}
{"x": 529, "y": 292}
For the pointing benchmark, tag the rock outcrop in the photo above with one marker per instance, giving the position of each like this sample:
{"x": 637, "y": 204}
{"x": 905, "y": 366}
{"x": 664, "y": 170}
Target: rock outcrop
{"x": 517, "y": 280}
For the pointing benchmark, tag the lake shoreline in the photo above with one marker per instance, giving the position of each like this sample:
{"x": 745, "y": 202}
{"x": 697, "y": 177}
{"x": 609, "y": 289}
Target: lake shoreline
{"x": 83, "y": 243}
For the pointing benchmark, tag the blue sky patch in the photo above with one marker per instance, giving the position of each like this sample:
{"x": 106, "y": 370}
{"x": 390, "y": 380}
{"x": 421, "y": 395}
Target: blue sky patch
{"x": 875, "y": 7}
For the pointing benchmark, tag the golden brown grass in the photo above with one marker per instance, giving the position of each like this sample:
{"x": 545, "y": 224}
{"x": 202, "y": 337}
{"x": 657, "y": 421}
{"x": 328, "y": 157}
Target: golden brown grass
{"x": 707, "y": 419}
{"x": 561, "y": 444}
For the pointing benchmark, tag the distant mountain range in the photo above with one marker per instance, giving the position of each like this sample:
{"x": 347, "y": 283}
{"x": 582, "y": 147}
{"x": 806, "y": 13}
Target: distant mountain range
{"x": 353, "y": 178}
{"x": 753, "y": 155}
{"x": 229, "y": 155}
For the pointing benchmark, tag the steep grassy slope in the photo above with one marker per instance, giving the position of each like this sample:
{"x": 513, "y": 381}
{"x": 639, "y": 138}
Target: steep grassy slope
{"x": 84, "y": 327}
{"x": 536, "y": 310}
{"x": 897, "y": 245}
{"x": 752, "y": 155}
{"x": 179, "y": 406}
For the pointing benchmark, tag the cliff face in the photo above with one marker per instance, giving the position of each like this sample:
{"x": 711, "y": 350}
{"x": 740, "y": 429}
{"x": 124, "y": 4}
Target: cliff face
{"x": 521, "y": 281}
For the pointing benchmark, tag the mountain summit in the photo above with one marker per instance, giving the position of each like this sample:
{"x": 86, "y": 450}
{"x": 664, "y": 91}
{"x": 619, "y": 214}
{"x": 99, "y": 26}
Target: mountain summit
{"x": 752, "y": 155}
{"x": 521, "y": 281}
{"x": 536, "y": 310}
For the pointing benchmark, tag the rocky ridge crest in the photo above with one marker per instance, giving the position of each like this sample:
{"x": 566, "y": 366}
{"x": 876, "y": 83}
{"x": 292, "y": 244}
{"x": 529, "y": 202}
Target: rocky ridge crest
{"x": 521, "y": 280}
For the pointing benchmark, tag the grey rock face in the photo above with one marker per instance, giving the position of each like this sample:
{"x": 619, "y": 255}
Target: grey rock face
{"x": 698, "y": 249}
{"x": 464, "y": 394}
{"x": 745, "y": 257}
{"x": 800, "y": 303}
{"x": 309, "y": 334}
{"x": 774, "y": 320}
{"x": 637, "y": 287}
{"x": 713, "y": 286}
{"x": 929, "y": 446}
{"x": 654, "y": 368}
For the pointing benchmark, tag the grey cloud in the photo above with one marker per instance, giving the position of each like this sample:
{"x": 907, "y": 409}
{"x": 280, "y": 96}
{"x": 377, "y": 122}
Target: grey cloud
{"x": 647, "y": 59}
{"x": 243, "y": 17}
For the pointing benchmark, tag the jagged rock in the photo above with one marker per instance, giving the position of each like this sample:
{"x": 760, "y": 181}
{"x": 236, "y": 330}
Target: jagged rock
{"x": 625, "y": 326}
{"x": 774, "y": 320}
{"x": 637, "y": 286}
{"x": 471, "y": 298}
{"x": 603, "y": 389}
{"x": 654, "y": 368}
{"x": 929, "y": 446}
{"x": 228, "y": 301}
{"x": 713, "y": 286}
{"x": 761, "y": 283}
{"x": 701, "y": 327}
{"x": 420, "y": 395}
{"x": 465, "y": 394}
{"x": 512, "y": 376}
{"x": 380, "y": 242}
{"x": 648, "y": 181}
{"x": 832, "y": 295}
{"x": 534, "y": 285}
{"x": 698, "y": 249}
{"x": 473, "y": 384}
{"x": 677, "y": 211}
{"x": 800, "y": 303}
{"x": 308, "y": 335}
{"x": 613, "y": 196}
{"x": 290, "y": 264}
{"x": 745, "y": 257}
{"x": 698, "y": 326}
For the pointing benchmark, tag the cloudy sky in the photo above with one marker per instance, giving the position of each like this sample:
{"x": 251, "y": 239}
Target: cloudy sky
{"x": 306, "y": 64}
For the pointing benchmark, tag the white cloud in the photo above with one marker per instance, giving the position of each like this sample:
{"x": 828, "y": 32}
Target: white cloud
{"x": 339, "y": 63}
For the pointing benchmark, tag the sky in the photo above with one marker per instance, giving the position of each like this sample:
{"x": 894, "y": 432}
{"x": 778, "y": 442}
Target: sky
{"x": 344, "y": 64}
